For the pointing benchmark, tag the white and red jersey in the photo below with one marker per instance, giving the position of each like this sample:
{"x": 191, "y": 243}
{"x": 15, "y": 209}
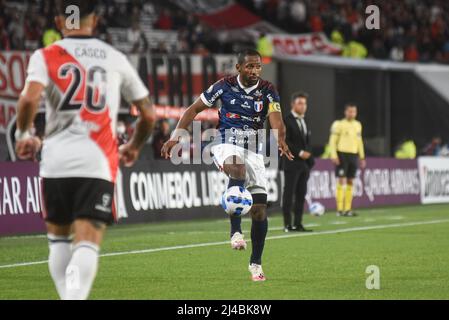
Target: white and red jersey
{"x": 84, "y": 79}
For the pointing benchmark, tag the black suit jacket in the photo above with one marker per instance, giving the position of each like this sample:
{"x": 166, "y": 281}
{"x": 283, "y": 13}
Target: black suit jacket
{"x": 296, "y": 142}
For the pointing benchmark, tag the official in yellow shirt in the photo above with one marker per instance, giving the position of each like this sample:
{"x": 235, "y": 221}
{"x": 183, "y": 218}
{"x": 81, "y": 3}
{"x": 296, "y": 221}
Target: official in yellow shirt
{"x": 346, "y": 148}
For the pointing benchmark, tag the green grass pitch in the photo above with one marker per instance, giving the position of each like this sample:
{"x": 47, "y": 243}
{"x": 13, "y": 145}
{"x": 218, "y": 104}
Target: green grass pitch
{"x": 193, "y": 260}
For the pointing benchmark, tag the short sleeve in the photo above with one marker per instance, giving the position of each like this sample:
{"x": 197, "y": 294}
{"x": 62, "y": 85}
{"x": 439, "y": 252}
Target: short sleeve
{"x": 37, "y": 69}
{"x": 335, "y": 128}
{"x": 274, "y": 101}
{"x": 211, "y": 95}
{"x": 132, "y": 87}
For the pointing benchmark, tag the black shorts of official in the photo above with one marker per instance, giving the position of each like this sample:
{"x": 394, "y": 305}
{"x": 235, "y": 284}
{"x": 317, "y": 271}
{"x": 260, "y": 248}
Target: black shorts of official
{"x": 68, "y": 199}
{"x": 348, "y": 165}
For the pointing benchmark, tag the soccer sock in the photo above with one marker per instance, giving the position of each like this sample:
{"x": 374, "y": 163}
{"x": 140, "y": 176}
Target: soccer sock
{"x": 348, "y": 197}
{"x": 339, "y": 196}
{"x": 235, "y": 182}
{"x": 236, "y": 222}
{"x": 258, "y": 233}
{"x": 59, "y": 256}
{"x": 81, "y": 271}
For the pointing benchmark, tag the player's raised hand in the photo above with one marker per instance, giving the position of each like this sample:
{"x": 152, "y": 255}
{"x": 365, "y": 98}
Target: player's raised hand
{"x": 283, "y": 148}
{"x": 128, "y": 154}
{"x": 27, "y": 149}
{"x": 166, "y": 148}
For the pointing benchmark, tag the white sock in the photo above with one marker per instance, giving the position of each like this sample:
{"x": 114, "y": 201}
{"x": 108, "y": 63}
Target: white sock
{"x": 58, "y": 259}
{"x": 81, "y": 271}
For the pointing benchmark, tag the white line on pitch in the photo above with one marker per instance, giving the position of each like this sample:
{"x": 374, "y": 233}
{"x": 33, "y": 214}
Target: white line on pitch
{"x": 394, "y": 218}
{"x": 338, "y": 222}
{"x": 208, "y": 244}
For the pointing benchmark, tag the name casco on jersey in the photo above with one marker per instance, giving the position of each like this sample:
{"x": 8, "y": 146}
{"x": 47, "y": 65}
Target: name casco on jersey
{"x": 84, "y": 79}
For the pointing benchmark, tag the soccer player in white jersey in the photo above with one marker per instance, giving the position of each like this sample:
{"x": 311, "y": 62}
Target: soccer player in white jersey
{"x": 83, "y": 79}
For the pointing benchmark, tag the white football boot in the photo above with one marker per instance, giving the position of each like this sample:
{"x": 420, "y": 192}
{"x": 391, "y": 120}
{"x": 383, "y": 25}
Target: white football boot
{"x": 256, "y": 272}
{"x": 237, "y": 241}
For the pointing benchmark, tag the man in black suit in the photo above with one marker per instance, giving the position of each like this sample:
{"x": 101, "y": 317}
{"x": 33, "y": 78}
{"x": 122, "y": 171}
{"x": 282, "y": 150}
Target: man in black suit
{"x": 296, "y": 171}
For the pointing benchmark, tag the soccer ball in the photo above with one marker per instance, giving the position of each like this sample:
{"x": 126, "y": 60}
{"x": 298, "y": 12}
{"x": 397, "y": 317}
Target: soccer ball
{"x": 236, "y": 201}
{"x": 316, "y": 209}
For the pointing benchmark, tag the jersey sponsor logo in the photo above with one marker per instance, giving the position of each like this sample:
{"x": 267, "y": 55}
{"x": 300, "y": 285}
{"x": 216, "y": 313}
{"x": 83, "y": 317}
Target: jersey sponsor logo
{"x": 258, "y": 106}
{"x": 215, "y": 96}
{"x": 232, "y": 115}
{"x": 246, "y": 130}
{"x": 245, "y": 105}
{"x": 105, "y": 204}
{"x": 257, "y": 119}
{"x": 233, "y": 101}
{"x": 246, "y": 97}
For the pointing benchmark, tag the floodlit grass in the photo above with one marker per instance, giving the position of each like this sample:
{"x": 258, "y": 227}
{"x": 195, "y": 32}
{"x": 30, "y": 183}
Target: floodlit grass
{"x": 408, "y": 244}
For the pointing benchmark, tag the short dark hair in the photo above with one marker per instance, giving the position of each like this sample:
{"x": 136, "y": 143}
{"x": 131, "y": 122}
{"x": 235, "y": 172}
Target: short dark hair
{"x": 350, "y": 105}
{"x": 86, "y": 7}
{"x": 245, "y": 53}
{"x": 299, "y": 94}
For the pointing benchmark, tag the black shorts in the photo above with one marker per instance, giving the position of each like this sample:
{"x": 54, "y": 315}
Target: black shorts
{"x": 348, "y": 165}
{"x": 67, "y": 199}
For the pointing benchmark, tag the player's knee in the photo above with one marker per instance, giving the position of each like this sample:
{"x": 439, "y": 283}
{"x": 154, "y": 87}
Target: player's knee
{"x": 259, "y": 212}
{"x": 349, "y": 182}
{"x": 89, "y": 230}
{"x": 259, "y": 208}
{"x": 235, "y": 168}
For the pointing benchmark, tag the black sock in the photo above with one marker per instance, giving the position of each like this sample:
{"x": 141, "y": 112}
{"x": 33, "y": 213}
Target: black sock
{"x": 234, "y": 182}
{"x": 258, "y": 233}
{"x": 236, "y": 224}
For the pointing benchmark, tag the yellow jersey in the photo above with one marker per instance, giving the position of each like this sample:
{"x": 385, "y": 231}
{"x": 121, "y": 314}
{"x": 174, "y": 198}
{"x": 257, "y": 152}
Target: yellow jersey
{"x": 346, "y": 136}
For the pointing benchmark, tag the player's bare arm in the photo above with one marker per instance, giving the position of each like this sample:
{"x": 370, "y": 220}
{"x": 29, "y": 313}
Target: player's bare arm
{"x": 129, "y": 152}
{"x": 26, "y": 145}
{"x": 277, "y": 123}
{"x": 185, "y": 121}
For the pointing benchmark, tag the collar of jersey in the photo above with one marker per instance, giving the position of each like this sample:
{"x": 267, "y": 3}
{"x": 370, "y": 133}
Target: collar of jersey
{"x": 247, "y": 89}
{"x": 79, "y": 37}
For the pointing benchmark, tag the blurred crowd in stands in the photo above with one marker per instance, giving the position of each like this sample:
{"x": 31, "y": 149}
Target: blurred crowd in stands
{"x": 28, "y": 25}
{"x": 410, "y": 30}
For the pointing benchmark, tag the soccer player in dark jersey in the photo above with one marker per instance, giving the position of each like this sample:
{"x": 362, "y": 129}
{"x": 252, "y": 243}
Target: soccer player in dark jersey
{"x": 246, "y": 102}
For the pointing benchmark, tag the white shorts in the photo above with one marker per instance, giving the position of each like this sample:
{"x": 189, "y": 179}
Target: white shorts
{"x": 256, "y": 179}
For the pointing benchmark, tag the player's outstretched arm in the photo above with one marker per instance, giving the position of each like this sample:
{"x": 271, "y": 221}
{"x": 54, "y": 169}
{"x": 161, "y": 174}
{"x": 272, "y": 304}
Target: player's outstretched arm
{"x": 26, "y": 145}
{"x": 186, "y": 119}
{"x": 277, "y": 123}
{"x": 129, "y": 152}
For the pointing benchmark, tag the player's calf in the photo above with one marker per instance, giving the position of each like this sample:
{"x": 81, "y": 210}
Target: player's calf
{"x": 82, "y": 269}
{"x": 60, "y": 253}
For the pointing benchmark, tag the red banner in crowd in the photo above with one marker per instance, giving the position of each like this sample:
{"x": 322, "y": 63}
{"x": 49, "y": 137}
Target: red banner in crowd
{"x": 302, "y": 44}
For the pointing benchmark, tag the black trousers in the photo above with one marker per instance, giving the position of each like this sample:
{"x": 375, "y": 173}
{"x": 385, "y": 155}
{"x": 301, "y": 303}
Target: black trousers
{"x": 295, "y": 186}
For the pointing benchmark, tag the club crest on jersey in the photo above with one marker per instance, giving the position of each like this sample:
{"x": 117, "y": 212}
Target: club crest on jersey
{"x": 258, "y": 106}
